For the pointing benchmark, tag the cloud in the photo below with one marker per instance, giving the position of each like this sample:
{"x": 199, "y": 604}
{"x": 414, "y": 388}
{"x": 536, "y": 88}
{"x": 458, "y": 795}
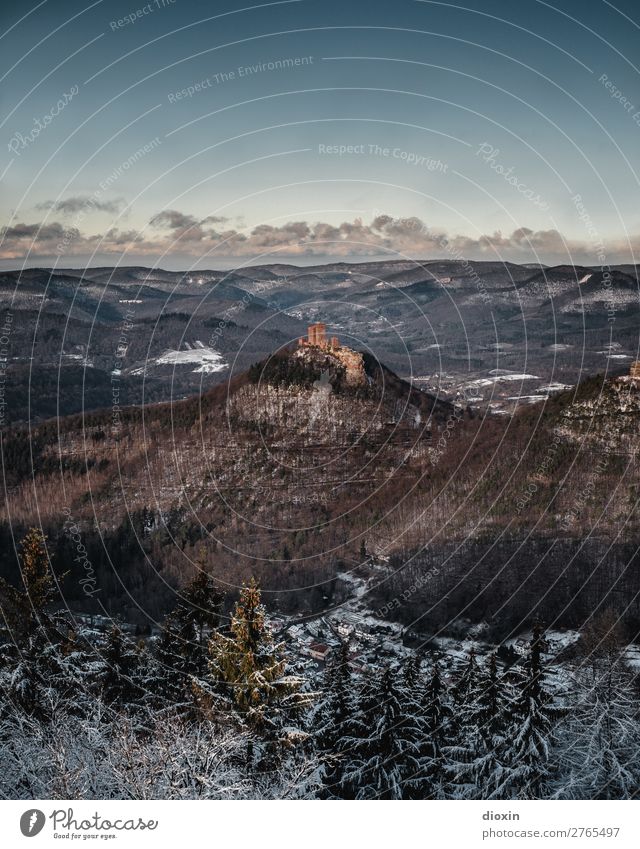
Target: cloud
{"x": 32, "y": 232}
{"x": 174, "y": 232}
{"x": 122, "y": 237}
{"x": 186, "y": 228}
{"x": 81, "y": 203}
{"x": 214, "y": 219}
{"x": 173, "y": 220}
{"x": 55, "y": 239}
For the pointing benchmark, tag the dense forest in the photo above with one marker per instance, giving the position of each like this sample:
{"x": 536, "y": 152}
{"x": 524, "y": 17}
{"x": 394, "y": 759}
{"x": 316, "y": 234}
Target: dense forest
{"x": 210, "y": 708}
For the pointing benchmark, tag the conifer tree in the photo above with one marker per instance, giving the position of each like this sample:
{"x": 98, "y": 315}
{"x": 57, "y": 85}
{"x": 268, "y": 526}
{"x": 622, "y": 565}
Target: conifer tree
{"x": 476, "y": 757}
{"x": 412, "y": 726}
{"x": 195, "y": 617}
{"x": 46, "y": 677}
{"x": 411, "y": 676}
{"x": 436, "y": 723}
{"x": 169, "y": 675}
{"x": 466, "y": 682}
{"x": 532, "y": 717}
{"x": 384, "y": 763}
{"x": 599, "y": 748}
{"x": 201, "y": 605}
{"x": 42, "y": 659}
{"x": 357, "y": 742}
{"x": 119, "y": 675}
{"x": 332, "y": 723}
{"x": 35, "y": 570}
{"x": 252, "y": 668}
{"x": 180, "y": 654}
{"x": 599, "y": 751}
{"x": 461, "y": 695}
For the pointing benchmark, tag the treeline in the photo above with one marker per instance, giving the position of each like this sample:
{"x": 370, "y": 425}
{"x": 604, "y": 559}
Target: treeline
{"x": 487, "y": 732}
{"x": 210, "y": 708}
{"x": 137, "y": 567}
{"x": 510, "y": 581}
{"x": 130, "y": 571}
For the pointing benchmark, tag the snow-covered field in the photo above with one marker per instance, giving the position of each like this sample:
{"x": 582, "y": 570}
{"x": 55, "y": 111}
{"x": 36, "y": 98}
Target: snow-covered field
{"x": 499, "y": 378}
{"x": 207, "y": 360}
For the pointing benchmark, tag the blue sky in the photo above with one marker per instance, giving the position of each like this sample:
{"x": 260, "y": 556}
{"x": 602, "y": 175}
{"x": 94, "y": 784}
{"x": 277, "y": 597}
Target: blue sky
{"x": 315, "y": 130}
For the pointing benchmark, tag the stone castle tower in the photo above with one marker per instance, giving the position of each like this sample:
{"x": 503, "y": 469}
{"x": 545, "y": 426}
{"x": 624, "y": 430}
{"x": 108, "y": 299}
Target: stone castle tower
{"x": 317, "y": 338}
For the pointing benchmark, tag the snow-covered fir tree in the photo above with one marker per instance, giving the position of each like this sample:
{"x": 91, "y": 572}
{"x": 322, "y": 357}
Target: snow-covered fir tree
{"x": 332, "y": 721}
{"x": 475, "y": 760}
{"x": 465, "y": 683}
{"x": 384, "y": 744}
{"x": 598, "y": 754}
{"x": 436, "y": 716}
{"x": 532, "y": 716}
{"x": 118, "y": 673}
{"x": 197, "y": 614}
{"x": 181, "y": 651}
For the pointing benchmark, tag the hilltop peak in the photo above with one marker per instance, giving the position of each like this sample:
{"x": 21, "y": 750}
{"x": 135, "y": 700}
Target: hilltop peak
{"x": 329, "y": 354}
{"x": 322, "y": 370}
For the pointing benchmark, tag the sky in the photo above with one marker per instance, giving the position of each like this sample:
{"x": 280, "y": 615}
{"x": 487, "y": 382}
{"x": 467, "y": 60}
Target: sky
{"x": 190, "y": 135}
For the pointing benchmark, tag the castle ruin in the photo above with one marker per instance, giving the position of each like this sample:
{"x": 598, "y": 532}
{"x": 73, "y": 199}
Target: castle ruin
{"x": 317, "y": 338}
{"x": 317, "y": 341}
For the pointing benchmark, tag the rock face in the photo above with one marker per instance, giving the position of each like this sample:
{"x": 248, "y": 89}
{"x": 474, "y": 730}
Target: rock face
{"x": 337, "y": 358}
{"x": 354, "y": 366}
{"x": 606, "y": 419}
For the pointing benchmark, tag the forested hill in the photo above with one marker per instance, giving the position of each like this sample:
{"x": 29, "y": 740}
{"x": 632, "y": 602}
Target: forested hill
{"x": 286, "y": 462}
{"x": 303, "y": 467}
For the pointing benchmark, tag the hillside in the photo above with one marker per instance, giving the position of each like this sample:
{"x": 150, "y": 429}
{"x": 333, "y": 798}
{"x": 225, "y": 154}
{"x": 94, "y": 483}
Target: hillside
{"x": 285, "y": 462}
{"x": 301, "y": 468}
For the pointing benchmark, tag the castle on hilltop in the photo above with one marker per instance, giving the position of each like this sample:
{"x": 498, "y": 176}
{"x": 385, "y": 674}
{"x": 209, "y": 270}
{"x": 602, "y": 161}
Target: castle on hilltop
{"x": 351, "y": 361}
{"x": 317, "y": 338}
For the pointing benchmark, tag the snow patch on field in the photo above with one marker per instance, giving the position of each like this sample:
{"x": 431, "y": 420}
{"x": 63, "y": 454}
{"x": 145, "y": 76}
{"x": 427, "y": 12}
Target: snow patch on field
{"x": 499, "y": 378}
{"x": 79, "y": 358}
{"x": 528, "y": 399}
{"x": 555, "y": 387}
{"x": 611, "y": 298}
{"x": 207, "y": 359}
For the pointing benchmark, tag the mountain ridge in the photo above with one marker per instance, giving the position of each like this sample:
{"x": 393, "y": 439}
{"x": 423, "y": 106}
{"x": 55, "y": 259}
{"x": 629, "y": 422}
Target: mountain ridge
{"x": 449, "y": 322}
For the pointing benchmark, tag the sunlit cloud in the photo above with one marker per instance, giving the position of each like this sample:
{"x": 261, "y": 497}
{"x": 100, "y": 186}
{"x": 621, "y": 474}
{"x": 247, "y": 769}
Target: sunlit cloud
{"x": 175, "y": 232}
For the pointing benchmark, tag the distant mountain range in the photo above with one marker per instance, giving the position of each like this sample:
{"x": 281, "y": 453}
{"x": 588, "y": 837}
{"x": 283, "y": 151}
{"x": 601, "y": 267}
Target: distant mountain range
{"x": 449, "y": 325}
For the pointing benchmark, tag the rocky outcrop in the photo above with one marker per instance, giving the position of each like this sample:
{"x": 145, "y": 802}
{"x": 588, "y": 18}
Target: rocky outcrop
{"x": 345, "y": 359}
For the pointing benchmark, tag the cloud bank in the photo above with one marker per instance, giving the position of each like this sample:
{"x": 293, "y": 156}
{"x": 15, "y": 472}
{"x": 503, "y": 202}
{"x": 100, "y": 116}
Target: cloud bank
{"x": 172, "y": 232}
